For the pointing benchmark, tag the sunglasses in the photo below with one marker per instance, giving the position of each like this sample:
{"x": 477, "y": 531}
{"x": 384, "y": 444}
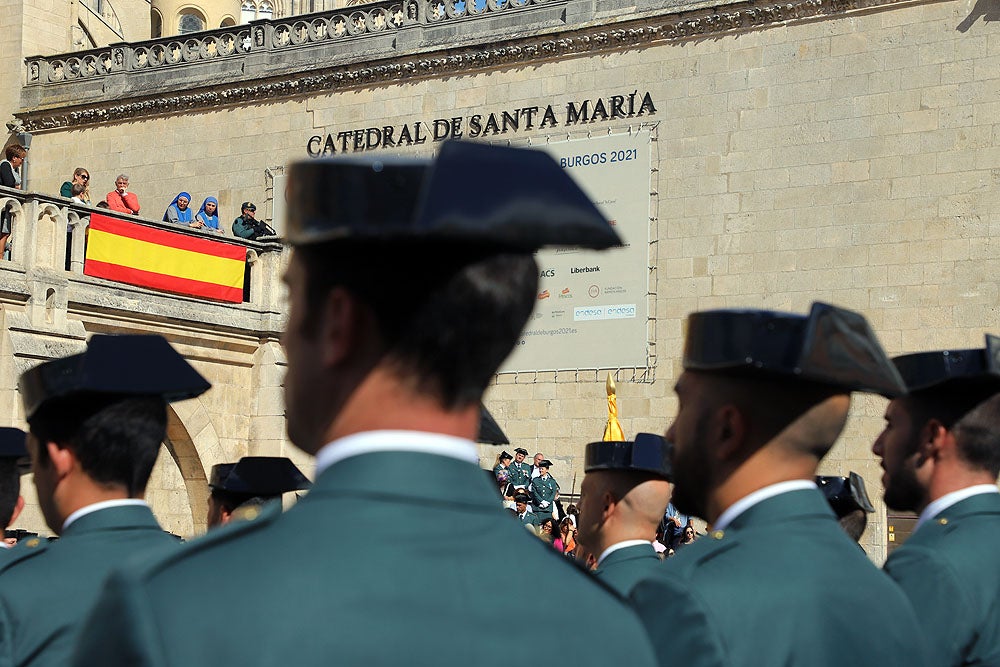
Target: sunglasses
{"x": 85, "y": 177}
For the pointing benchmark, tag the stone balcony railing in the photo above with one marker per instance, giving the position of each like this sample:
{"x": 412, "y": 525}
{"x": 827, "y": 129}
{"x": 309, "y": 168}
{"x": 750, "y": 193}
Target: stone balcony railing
{"x": 45, "y": 273}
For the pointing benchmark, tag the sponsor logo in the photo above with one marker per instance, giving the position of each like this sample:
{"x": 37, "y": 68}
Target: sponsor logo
{"x": 585, "y": 269}
{"x": 614, "y": 289}
{"x": 622, "y": 311}
{"x": 547, "y": 273}
{"x": 565, "y": 293}
{"x": 594, "y": 291}
{"x": 544, "y": 294}
{"x": 557, "y": 314}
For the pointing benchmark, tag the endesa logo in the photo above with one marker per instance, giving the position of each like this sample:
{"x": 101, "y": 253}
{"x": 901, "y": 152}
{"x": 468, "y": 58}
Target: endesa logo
{"x": 544, "y": 294}
{"x": 623, "y": 311}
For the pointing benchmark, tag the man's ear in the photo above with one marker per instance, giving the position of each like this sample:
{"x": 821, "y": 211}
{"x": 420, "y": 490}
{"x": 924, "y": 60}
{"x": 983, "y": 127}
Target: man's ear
{"x": 342, "y": 326}
{"x": 730, "y": 431}
{"x": 17, "y": 510}
{"x": 608, "y": 505}
{"x": 62, "y": 459}
{"x": 936, "y": 442}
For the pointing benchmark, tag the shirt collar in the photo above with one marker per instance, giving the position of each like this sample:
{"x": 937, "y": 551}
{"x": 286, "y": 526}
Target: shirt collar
{"x": 621, "y": 545}
{"x": 96, "y": 507}
{"x": 949, "y": 499}
{"x": 395, "y": 441}
{"x": 746, "y": 502}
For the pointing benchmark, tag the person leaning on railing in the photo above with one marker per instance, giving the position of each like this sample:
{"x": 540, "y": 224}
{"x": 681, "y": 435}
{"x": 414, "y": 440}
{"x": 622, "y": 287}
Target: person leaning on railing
{"x": 120, "y": 199}
{"x": 80, "y": 177}
{"x": 10, "y": 177}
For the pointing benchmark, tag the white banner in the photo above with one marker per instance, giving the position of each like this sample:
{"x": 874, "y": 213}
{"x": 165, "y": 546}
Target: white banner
{"x": 591, "y": 308}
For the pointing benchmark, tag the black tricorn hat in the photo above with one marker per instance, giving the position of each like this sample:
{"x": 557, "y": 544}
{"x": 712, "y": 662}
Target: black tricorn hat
{"x": 510, "y": 199}
{"x": 944, "y": 370}
{"x": 264, "y": 476}
{"x": 831, "y": 346}
{"x": 489, "y": 431}
{"x": 521, "y": 450}
{"x": 845, "y": 494}
{"x": 133, "y": 365}
{"x": 12, "y": 447}
{"x": 648, "y": 453}
{"x": 505, "y": 455}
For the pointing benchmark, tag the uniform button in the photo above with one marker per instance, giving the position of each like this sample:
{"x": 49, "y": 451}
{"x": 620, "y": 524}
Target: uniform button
{"x": 718, "y": 534}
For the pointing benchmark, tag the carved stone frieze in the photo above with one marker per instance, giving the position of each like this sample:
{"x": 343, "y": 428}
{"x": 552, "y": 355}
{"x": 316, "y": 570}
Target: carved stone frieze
{"x": 522, "y": 51}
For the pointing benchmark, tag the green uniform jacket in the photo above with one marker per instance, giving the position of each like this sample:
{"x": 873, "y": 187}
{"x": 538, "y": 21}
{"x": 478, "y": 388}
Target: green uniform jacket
{"x": 544, "y": 490}
{"x": 624, "y": 568}
{"x": 529, "y": 519}
{"x": 782, "y": 585}
{"x": 520, "y": 473}
{"x": 46, "y": 588}
{"x": 950, "y": 570}
{"x": 375, "y": 567}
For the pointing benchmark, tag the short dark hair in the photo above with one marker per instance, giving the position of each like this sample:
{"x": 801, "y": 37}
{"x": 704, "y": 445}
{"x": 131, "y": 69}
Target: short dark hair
{"x": 10, "y": 489}
{"x": 15, "y": 150}
{"x": 977, "y": 435}
{"x": 447, "y": 324}
{"x": 116, "y": 439}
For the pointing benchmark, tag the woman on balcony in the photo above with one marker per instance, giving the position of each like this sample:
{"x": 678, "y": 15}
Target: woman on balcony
{"x": 80, "y": 177}
{"x": 179, "y": 212}
{"x": 207, "y": 218}
{"x": 10, "y": 177}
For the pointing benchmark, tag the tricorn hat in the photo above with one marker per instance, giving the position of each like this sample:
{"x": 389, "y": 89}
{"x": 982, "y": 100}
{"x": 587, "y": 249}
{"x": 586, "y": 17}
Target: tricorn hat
{"x": 510, "y": 199}
{"x": 831, "y": 346}
{"x": 264, "y": 476}
{"x": 648, "y": 453}
{"x": 133, "y": 365}
{"x": 12, "y": 447}
{"x": 943, "y": 370}
{"x": 845, "y": 494}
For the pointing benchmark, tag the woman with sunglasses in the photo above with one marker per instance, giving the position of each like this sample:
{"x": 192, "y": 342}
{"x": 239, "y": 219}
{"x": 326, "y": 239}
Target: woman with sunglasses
{"x": 80, "y": 177}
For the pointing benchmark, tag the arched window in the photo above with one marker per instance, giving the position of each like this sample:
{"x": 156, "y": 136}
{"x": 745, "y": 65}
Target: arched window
{"x": 248, "y": 11}
{"x": 226, "y": 22}
{"x": 155, "y": 24}
{"x": 265, "y": 10}
{"x": 190, "y": 22}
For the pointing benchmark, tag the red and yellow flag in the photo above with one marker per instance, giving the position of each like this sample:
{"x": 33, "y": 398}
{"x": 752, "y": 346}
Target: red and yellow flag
{"x": 164, "y": 260}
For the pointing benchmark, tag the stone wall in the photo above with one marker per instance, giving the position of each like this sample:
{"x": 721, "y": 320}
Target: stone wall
{"x": 849, "y": 157}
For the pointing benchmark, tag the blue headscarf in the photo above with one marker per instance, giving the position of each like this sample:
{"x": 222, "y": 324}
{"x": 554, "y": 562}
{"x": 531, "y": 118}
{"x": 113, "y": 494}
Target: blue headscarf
{"x": 182, "y": 216}
{"x": 211, "y": 221}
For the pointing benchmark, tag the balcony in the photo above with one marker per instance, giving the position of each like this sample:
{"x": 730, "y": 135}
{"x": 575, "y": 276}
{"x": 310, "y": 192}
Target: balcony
{"x": 45, "y": 278}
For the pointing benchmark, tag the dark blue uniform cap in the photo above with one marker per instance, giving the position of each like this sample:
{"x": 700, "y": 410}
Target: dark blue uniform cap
{"x": 845, "y": 494}
{"x": 266, "y": 476}
{"x": 492, "y": 197}
{"x": 126, "y": 365}
{"x": 831, "y": 346}
{"x": 944, "y": 370}
{"x": 648, "y": 453}
{"x": 489, "y": 431}
{"x": 12, "y": 443}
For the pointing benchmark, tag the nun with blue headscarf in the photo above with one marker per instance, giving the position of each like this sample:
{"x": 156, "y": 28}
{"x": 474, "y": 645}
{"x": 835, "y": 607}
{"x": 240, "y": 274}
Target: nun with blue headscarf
{"x": 207, "y": 217}
{"x": 179, "y": 211}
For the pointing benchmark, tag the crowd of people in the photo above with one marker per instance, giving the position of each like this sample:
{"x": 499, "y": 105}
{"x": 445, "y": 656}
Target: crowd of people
{"x": 399, "y": 553}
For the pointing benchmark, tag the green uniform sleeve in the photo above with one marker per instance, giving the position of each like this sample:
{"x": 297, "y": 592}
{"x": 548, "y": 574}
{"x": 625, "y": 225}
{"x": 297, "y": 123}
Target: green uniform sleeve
{"x": 678, "y": 627}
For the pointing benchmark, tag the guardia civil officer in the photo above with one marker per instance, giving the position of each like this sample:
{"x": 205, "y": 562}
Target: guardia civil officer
{"x": 240, "y": 490}
{"x": 941, "y": 454}
{"x": 544, "y": 490}
{"x": 524, "y": 513}
{"x": 503, "y": 465}
{"x": 763, "y": 397}
{"x": 96, "y": 421}
{"x": 623, "y": 496}
{"x": 409, "y": 283}
{"x": 12, "y": 456}
{"x": 520, "y": 472}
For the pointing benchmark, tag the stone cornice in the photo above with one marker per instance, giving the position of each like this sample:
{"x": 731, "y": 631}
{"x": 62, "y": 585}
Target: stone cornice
{"x": 695, "y": 24}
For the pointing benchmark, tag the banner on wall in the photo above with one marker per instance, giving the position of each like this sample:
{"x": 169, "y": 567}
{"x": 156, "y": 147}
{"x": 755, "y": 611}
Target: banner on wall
{"x": 591, "y": 307}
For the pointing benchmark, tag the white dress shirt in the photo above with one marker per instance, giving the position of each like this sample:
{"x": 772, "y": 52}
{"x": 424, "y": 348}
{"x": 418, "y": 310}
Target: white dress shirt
{"x": 760, "y": 495}
{"x": 395, "y": 441}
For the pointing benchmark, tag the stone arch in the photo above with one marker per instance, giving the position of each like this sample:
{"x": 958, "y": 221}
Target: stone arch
{"x": 184, "y": 453}
{"x": 155, "y": 23}
{"x": 191, "y": 19}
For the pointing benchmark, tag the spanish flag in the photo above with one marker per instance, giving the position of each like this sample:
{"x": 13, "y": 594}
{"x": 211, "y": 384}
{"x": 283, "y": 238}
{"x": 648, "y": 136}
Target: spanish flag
{"x": 164, "y": 260}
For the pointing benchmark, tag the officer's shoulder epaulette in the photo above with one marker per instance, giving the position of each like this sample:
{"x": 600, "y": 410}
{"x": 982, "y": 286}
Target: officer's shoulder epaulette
{"x": 24, "y": 550}
{"x": 233, "y": 530}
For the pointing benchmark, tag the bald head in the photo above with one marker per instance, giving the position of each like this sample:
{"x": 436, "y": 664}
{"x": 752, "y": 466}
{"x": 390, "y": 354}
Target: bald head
{"x": 619, "y": 505}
